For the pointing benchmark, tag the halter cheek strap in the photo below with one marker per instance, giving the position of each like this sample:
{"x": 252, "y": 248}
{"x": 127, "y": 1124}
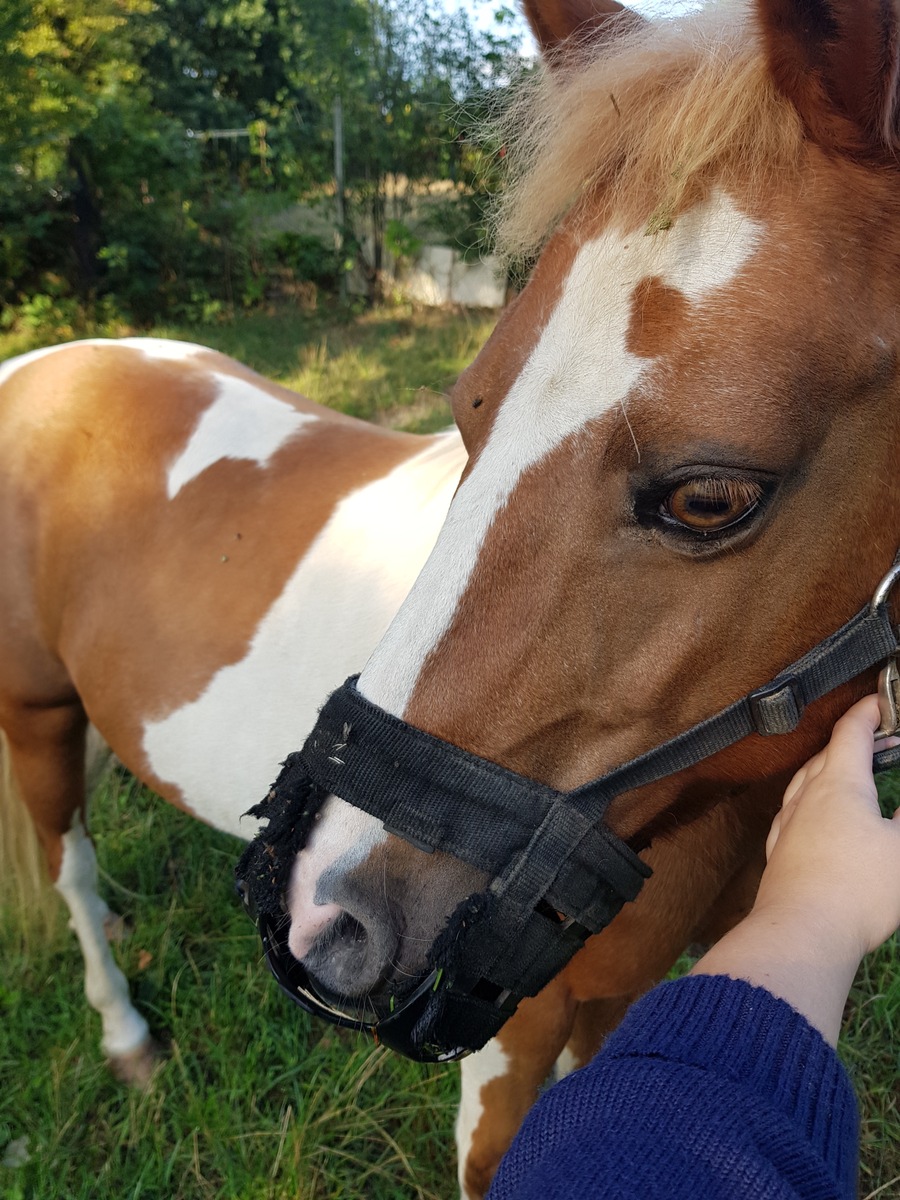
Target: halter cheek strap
{"x": 558, "y": 873}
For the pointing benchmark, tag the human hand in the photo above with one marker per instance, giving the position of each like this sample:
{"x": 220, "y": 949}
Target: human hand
{"x": 832, "y": 857}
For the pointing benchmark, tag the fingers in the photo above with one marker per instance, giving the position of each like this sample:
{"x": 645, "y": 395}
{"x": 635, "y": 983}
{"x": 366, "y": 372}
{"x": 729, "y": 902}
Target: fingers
{"x": 775, "y": 832}
{"x": 829, "y": 849}
{"x": 847, "y": 758}
{"x": 849, "y": 749}
{"x": 853, "y": 737}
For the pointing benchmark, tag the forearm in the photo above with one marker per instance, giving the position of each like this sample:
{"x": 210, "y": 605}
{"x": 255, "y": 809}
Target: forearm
{"x": 792, "y": 956}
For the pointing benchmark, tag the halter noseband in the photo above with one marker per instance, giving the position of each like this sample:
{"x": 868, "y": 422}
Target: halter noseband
{"x": 558, "y": 873}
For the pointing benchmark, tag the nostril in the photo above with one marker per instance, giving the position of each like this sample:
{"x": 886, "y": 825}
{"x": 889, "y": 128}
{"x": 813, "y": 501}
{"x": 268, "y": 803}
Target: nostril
{"x": 349, "y": 931}
{"x": 344, "y": 933}
{"x": 350, "y": 956}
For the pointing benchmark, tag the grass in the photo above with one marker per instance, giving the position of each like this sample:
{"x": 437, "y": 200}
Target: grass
{"x": 391, "y": 365}
{"x": 870, "y": 1049}
{"x": 252, "y": 1099}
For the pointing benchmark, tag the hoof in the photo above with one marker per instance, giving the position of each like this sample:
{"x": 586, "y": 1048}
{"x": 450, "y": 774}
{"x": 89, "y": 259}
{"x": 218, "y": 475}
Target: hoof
{"x": 138, "y": 1066}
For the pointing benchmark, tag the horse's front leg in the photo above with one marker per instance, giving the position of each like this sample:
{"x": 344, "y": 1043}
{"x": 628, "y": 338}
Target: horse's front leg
{"x": 46, "y": 750}
{"x": 501, "y": 1082}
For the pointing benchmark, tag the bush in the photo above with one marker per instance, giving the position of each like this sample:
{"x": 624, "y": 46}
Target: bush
{"x": 401, "y": 242}
{"x": 308, "y": 258}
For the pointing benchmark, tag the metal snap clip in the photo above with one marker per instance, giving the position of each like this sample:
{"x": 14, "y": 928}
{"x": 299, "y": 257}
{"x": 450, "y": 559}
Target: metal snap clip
{"x": 888, "y": 699}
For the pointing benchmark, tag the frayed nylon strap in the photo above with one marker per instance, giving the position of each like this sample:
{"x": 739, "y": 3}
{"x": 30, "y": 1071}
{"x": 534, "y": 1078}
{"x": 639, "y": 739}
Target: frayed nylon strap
{"x": 439, "y": 797}
{"x": 557, "y": 873}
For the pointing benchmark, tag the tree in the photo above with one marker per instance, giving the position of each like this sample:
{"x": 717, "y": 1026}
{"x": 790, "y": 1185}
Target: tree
{"x": 406, "y": 80}
{"x": 107, "y": 192}
{"x": 66, "y": 61}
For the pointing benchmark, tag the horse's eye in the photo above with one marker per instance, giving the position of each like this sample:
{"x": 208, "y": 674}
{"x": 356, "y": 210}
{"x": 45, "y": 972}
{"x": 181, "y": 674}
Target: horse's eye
{"x": 709, "y": 504}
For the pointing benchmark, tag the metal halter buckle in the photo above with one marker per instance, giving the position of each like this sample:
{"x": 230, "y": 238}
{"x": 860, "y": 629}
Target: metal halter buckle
{"x": 889, "y": 676}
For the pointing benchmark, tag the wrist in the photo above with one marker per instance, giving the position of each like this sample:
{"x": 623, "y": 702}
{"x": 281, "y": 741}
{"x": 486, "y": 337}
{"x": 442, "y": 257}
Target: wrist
{"x": 814, "y": 932}
{"x": 796, "y": 956}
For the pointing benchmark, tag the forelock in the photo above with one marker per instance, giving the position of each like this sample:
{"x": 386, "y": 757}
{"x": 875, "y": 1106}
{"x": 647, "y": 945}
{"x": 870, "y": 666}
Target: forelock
{"x": 654, "y": 116}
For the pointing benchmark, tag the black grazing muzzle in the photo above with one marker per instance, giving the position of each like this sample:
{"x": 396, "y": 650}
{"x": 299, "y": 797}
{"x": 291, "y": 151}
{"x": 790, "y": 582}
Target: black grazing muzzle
{"x": 545, "y": 850}
{"x": 558, "y": 874}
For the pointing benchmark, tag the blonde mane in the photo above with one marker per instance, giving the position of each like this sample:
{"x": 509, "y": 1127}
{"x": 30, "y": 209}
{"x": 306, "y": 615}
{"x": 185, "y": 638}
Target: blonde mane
{"x": 651, "y": 115}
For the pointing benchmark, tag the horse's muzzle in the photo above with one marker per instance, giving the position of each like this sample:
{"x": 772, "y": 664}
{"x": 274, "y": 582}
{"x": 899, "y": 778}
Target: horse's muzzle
{"x": 404, "y": 1027}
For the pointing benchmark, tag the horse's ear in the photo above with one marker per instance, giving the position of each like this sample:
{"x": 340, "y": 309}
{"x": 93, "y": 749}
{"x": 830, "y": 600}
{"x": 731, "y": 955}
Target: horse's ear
{"x": 837, "y": 61}
{"x": 555, "y": 21}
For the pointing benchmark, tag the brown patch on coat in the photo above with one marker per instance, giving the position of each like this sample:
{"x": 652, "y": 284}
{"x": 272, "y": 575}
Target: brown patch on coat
{"x": 658, "y": 313}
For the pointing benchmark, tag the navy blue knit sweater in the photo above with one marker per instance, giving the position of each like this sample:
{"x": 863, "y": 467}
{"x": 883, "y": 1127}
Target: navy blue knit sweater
{"x": 710, "y": 1089}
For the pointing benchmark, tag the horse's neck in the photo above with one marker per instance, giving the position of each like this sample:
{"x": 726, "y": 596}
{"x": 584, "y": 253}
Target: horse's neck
{"x": 330, "y": 615}
{"x": 437, "y": 468}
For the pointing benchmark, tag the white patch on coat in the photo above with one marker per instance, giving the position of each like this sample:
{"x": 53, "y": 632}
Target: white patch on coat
{"x": 158, "y": 348}
{"x": 124, "y": 1029}
{"x": 478, "y": 1070}
{"x": 222, "y": 751}
{"x": 243, "y": 422}
{"x": 579, "y": 369}
{"x": 565, "y": 1064}
{"x": 166, "y": 349}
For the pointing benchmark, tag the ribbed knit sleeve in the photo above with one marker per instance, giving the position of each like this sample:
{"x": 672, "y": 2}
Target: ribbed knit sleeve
{"x": 710, "y": 1089}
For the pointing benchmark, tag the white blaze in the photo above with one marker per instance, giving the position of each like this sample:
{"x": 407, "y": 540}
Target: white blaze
{"x": 579, "y": 369}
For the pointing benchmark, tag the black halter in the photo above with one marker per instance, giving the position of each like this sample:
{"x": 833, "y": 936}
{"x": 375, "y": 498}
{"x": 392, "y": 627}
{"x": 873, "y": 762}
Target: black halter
{"x": 558, "y": 873}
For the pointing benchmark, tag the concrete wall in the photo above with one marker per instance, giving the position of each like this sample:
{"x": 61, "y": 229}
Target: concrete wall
{"x": 441, "y": 277}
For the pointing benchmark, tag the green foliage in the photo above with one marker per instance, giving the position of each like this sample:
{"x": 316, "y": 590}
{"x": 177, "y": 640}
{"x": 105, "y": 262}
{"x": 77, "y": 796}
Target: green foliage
{"x": 408, "y": 105}
{"x": 400, "y": 240}
{"x": 61, "y": 57}
{"x": 44, "y": 310}
{"x": 306, "y": 257}
{"x": 138, "y": 137}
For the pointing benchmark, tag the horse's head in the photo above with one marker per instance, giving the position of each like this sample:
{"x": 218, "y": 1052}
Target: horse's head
{"x": 682, "y": 441}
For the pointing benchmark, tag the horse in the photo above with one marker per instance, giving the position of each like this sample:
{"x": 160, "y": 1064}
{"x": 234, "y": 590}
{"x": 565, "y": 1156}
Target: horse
{"x": 192, "y": 556}
{"x": 682, "y": 438}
